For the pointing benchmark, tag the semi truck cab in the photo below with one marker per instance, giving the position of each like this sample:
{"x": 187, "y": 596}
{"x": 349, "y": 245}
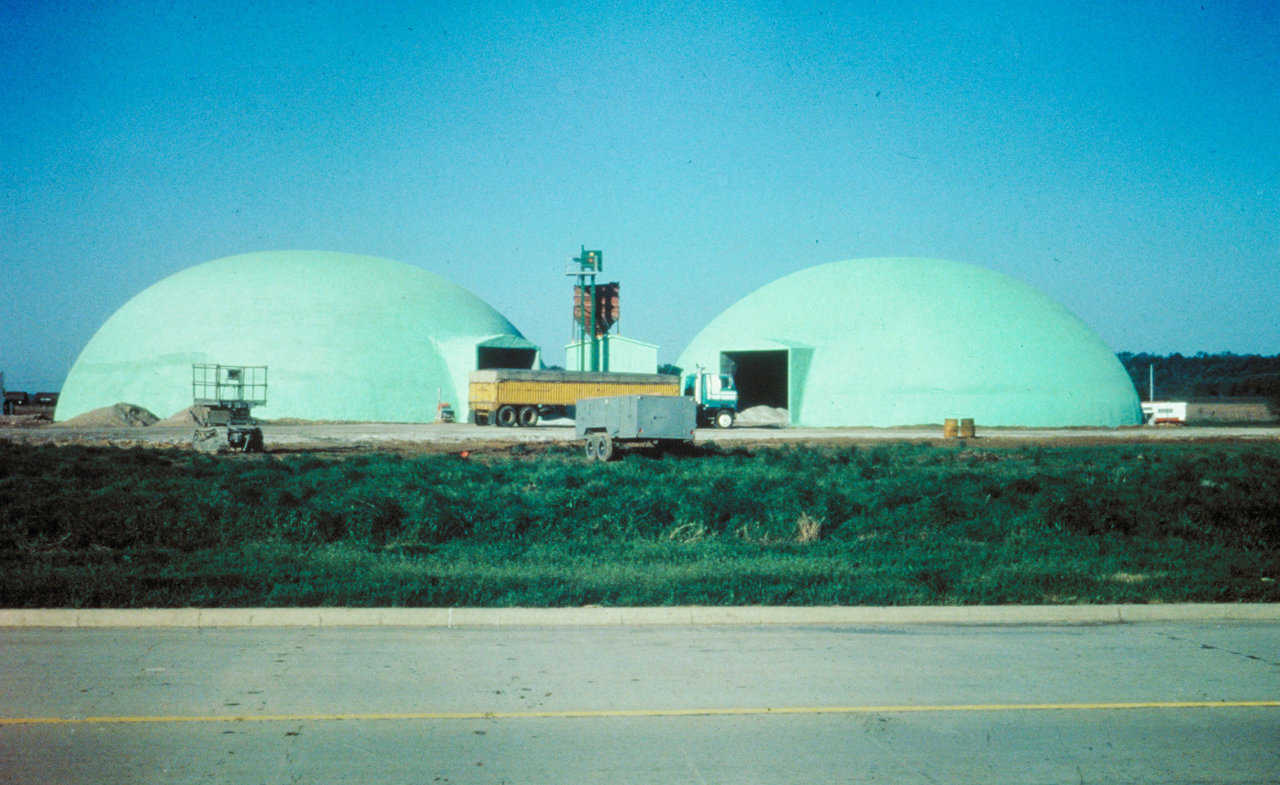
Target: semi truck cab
{"x": 716, "y": 396}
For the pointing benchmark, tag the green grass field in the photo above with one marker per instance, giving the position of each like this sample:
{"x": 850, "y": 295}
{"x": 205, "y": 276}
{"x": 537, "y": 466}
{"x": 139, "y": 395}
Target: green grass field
{"x": 884, "y": 525}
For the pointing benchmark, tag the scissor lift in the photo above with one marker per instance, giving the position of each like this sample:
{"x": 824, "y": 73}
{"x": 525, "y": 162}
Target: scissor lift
{"x": 229, "y": 391}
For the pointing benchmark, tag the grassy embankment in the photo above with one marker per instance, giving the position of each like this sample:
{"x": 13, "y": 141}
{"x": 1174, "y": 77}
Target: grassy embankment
{"x": 899, "y": 524}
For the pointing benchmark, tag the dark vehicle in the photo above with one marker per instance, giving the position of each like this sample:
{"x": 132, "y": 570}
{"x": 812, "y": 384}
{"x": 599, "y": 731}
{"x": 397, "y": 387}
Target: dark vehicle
{"x": 12, "y": 400}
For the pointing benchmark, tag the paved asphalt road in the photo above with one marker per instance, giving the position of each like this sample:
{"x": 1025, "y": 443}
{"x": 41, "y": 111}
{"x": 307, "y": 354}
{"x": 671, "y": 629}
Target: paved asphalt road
{"x": 1154, "y": 702}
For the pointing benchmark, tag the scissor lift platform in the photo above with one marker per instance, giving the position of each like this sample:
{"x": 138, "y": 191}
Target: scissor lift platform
{"x": 229, "y": 392}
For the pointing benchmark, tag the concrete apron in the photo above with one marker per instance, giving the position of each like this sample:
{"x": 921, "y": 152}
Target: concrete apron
{"x": 606, "y": 617}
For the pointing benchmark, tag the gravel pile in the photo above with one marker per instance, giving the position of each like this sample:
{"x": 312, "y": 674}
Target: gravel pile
{"x": 762, "y": 417}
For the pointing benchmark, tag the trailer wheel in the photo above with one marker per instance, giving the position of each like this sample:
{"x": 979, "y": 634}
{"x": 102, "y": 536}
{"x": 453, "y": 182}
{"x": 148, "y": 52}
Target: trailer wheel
{"x": 505, "y": 417}
{"x": 604, "y": 447}
{"x": 724, "y": 418}
{"x": 528, "y": 416}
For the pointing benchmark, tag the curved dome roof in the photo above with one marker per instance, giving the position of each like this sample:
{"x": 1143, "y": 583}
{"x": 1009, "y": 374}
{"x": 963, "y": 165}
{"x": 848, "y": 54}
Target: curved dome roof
{"x": 344, "y": 337}
{"x": 895, "y": 341}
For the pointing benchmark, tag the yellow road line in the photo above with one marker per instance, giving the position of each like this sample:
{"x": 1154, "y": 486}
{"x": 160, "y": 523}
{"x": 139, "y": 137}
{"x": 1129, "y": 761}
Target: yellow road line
{"x": 608, "y": 713}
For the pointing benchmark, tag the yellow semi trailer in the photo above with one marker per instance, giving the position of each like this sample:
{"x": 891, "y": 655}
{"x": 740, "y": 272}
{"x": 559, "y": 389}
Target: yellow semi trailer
{"x": 508, "y": 396}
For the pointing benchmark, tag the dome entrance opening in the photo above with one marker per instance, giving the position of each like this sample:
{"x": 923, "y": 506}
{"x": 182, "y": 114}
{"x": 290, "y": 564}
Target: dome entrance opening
{"x": 761, "y": 377}
{"x": 491, "y": 357}
{"x": 505, "y": 351}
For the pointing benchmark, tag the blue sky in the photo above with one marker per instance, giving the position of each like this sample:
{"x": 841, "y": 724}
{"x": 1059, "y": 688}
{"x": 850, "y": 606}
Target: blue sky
{"x": 1122, "y": 157}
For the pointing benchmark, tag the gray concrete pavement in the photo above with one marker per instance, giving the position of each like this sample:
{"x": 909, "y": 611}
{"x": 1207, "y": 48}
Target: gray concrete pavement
{"x": 1150, "y": 702}
{"x": 634, "y": 616}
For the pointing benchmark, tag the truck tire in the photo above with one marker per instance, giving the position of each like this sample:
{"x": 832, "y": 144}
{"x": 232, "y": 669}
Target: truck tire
{"x": 592, "y": 447}
{"x": 528, "y": 416}
{"x": 505, "y": 417}
{"x": 723, "y": 419}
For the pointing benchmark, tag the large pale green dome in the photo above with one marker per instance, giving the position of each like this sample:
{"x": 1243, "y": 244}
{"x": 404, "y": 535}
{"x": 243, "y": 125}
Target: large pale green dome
{"x": 344, "y": 337}
{"x": 884, "y": 342}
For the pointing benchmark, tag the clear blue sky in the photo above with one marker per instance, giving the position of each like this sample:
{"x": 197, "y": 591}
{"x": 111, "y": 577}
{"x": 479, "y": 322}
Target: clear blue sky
{"x": 1122, "y": 157}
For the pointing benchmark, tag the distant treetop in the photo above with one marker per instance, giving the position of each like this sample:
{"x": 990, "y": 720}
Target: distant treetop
{"x": 1204, "y": 375}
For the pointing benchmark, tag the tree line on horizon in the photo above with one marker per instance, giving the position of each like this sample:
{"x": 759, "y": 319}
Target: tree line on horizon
{"x": 1205, "y": 376}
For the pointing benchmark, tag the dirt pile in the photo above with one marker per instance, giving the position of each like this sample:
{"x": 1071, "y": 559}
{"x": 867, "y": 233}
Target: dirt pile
{"x": 192, "y": 415}
{"x": 120, "y": 415}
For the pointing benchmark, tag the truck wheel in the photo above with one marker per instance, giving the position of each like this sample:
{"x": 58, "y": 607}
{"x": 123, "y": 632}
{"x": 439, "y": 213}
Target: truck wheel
{"x": 604, "y": 447}
{"x": 724, "y": 418}
{"x": 528, "y": 416}
{"x": 505, "y": 417}
{"x": 592, "y": 448}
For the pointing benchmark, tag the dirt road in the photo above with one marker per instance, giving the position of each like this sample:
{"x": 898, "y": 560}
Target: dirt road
{"x": 449, "y": 437}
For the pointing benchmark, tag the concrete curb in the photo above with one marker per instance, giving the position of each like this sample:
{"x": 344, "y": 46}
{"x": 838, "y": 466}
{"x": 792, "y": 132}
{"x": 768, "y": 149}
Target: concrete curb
{"x": 617, "y": 617}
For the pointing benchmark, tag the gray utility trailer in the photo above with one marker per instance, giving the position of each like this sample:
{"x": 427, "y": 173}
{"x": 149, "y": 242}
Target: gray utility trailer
{"x": 605, "y": 422}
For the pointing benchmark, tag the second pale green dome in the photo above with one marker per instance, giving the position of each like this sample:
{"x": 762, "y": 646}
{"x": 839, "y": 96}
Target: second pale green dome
{"x": 903, "y": 341}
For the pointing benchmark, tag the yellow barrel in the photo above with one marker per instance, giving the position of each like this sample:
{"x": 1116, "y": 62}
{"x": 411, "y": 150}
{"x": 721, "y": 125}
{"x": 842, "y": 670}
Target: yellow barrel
{"x": 949, "y": 429}
{"x": 966, "y": 428}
